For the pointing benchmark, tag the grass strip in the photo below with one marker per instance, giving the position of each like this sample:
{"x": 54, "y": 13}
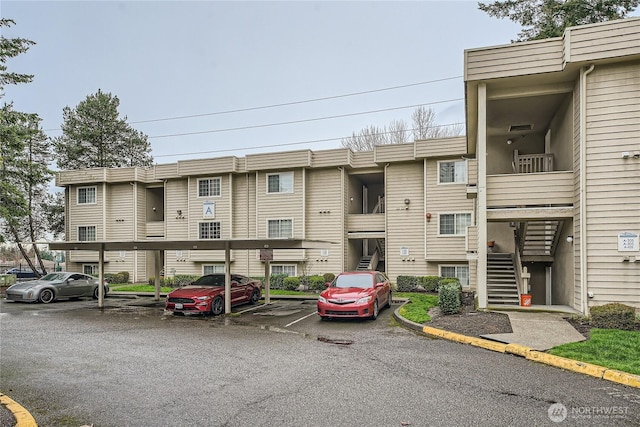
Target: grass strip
{"x": 611, "y": 348}
{"x": 419, "y": 306}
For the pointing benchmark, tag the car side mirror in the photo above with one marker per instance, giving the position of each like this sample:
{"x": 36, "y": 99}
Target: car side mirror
{"x": 327, "y": 284}
{"x": 70, "y": 279}
{"x": 379, "y": 285}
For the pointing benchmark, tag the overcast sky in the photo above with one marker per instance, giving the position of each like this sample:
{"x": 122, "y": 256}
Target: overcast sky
{"x": 168, "y": 60}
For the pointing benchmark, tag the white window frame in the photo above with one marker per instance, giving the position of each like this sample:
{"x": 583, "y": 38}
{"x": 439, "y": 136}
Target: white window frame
{"x": 86, "y": 227}
{"x": 455, "y": 162}
{"x": 94, "y": 269}
{"x": 216, "y": 269}
{"x": 281, "y": 190}
{"x": 211, "y": 194}
{"x": 95, "y": 195}
{"x": 457, "y": 276}
{"x": 209, "y": 222}
{"x": 455, "y": 215}
{"x": 280, "y": 220}
{"x": 294, "y": 266}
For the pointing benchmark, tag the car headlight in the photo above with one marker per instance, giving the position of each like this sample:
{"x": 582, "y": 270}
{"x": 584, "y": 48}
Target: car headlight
{"x": 322, "y": 299}
{"x": 204, "y": 298}
{"x": 364, "y": 300}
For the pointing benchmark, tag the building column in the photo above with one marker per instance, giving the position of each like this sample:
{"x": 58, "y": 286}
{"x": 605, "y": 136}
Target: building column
{"x": 481, "y": 154}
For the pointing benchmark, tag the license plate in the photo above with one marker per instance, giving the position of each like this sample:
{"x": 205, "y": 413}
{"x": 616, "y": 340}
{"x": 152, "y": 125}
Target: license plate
{"x": 179, "y": 306}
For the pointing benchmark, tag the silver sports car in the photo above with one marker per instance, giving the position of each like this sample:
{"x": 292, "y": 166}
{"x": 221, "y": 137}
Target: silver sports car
{"x": 53, "y": 286}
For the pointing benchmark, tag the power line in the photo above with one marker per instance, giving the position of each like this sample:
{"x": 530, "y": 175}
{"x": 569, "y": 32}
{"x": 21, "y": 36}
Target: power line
{"x": 288, "y": 144}
{"x": 284, "y": 104}
{"x": 302, "y": 120}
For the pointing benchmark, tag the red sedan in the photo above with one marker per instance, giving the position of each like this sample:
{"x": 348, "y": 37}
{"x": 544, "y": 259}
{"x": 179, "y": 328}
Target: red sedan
{"x": 355, "y": 294}
{"x": 206, "y": 295}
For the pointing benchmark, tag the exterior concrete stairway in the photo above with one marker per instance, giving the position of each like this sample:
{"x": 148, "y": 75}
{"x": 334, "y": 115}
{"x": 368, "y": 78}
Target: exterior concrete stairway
{"x": 364, "y": 264}
{"x": 502, "y": 287}
{"x": 539, "y": 240}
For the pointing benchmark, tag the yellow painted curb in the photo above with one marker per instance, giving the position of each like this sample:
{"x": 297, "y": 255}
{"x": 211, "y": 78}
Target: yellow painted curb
{"x": 489, "y": 345}
{"x": 517, "y": 349}
{"x": 22, "y": 416}
{"x": 622, "y": 378}
{"x": 463, "y": 339}
{"x": 568, "y": 364}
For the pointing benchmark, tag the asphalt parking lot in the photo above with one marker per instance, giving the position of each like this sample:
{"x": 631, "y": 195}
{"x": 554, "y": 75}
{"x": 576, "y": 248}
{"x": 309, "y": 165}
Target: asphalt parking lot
{"x": 130, "y": 364}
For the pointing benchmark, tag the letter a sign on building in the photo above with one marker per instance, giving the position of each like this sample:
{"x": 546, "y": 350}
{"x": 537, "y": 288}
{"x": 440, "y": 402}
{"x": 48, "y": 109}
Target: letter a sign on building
{"x": 208, "y": 209}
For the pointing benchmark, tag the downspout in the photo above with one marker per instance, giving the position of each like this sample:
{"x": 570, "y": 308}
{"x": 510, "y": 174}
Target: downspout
{"x": 104, "y": 211}
{"x": 583, "y": 191}
{"x": 248, "y": 219}
{"x": 424, "y": 183}
{"x": 135, "y": 228}
{"x": 304, "y": 211}
{"x": 386, "y": 220}
{"x": 342, "y": 216}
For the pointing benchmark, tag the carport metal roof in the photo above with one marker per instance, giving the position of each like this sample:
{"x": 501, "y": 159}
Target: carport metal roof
{"x": 159, "y": 245}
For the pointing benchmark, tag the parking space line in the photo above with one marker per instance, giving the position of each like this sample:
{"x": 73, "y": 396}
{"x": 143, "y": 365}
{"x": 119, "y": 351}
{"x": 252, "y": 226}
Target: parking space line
{"x": 255, "y": 307}
{"x": 300, "y": 319}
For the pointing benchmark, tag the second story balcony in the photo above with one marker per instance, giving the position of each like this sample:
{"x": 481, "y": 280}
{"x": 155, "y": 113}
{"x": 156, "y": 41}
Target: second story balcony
{"x": 530, "y": 189}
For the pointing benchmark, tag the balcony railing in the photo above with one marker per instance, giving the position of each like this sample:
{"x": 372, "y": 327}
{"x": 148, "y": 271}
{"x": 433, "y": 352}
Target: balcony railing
{"x": 532, "y": 163}
{"x": 365, "y": 222}
{"x": 530, "y": 189}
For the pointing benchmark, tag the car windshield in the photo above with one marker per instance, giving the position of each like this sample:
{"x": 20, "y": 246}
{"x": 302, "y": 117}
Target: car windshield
{"x": 210, "y": 280}
{"x": 354, "y": 281}
{"x": 52, "y": 277}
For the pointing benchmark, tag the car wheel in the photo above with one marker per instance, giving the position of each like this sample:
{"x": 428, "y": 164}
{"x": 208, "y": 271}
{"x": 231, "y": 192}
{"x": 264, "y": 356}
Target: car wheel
{"x": 95, "y": 293}
{"x": 255, "y": 297}
{"x": 388, "y": 305}
{"x": 374, "y": 316}
{"x": 46, "y": 296}
{"x": 217, "y": 306}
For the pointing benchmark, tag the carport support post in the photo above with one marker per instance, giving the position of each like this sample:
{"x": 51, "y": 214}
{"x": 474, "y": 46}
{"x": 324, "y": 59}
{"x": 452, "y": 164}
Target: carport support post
{"x": 101, "y": 277}
{"x": 267, "y": 283}
{"x": 157, "y": 262}
{"x": 227, "y": 278}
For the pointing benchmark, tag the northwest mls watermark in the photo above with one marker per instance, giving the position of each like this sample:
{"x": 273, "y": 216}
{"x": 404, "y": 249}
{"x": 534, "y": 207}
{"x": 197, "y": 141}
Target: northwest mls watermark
{"x": 558, "y": 412}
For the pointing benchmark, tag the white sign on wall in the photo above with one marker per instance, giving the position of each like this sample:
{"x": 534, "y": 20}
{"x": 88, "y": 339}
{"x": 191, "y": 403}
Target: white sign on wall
{"x": 404, "y": 251}
{"x": 208, "y": 209}
{"x": 628, "y": 242}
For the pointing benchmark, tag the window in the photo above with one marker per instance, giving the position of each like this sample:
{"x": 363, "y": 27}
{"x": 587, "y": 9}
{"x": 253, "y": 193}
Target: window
{"x": 289, "y": 270}
{"x": 209, "y": 230}
{"x": 213, "y": 269}
{"x": 454, "y": 224}
{"x": 280, "y": 183}
{"x": 90, "y": 269}
{"x": 86, "y": 195}
{"x": 452, "y": 172}
{"x": 280, "y": 228}
{"x": 87, "y": 233}
{"x": 461, "y": 272}
{"x": 209, "y": 187}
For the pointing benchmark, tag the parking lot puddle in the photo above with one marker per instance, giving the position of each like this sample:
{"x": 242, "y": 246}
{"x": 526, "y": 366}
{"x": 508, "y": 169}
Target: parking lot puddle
{"x": 277, "y": 312}
{"x": 335, "y": 341}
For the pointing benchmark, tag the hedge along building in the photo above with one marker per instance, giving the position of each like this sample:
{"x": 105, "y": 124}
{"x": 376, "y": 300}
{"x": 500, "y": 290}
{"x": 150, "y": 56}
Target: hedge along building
{"x": 555, "y": 127}
{"x": 371, "y": 205}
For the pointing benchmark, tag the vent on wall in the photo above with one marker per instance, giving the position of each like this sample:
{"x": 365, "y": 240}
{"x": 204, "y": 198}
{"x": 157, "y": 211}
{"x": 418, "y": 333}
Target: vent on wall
{"x": 520, "y": 128}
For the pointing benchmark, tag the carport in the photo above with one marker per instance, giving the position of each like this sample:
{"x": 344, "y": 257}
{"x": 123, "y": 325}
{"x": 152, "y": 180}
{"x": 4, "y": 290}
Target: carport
{"x": 266, "y": 246}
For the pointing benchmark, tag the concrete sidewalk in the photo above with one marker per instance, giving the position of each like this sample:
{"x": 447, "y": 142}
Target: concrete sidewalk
{"x": 537, "y": 330}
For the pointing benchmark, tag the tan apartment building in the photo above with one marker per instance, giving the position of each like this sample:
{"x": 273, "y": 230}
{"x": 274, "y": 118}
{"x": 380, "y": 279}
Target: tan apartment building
{"x": 402, "y": 209}
{"x": 541, "y": 197}
{"x": 555, "y": 127}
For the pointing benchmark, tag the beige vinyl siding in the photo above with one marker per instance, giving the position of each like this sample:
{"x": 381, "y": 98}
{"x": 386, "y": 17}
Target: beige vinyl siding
{"x": 220, "y": 165}
{"x": 324, "y": 222}
{"x": 141, "y": 212}
{"x": 363, "y": 159}
{"x": 541, "y": 56}
{"x": 445, "y": 199}
{"x": 441, "y": 147}
{"x": 393, "y": 153}
{"x": 166, "y": 171}
{"x": 604, "y": 40}
{"x": 244, "y": 223}
{"x": 405, "y": 227}
{"x": 577, "y": 219}
{"x": 85, "y": 215}
{"x": 327, "y": 158}
{"x": 613, "y": 183}
{"x": 275, "y": 161}
{"x": 273, "y": 206}
{"x": 529, "y": 189}
{"x": 119, "y": 212}
{"x": 81, "y": 176}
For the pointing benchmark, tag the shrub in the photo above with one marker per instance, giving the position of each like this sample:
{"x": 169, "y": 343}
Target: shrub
{"x": 121, "y": 277}
{"x": 291, "y": 283}
{"x": 613, "y": 316}
{"x": 407, "y": 283}
{"x": 276, "y": 281}
{"x": 430, "y": 283}
{"x": 125, "y": 276}
{"x": 328, "y": 277}
{"x": 152, "y": 281}
{"x": 449, "y": 296}
{"x": 317, "y": 283}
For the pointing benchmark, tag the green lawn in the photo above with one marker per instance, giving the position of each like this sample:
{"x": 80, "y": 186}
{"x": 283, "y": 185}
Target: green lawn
{"x": 611, "y": 348}
{"x": 416, "y": 311}
{"x": 138, "y": 288}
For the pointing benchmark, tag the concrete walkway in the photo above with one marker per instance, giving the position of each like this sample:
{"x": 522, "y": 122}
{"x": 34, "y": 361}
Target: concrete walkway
{"x": 537, "y": 330}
